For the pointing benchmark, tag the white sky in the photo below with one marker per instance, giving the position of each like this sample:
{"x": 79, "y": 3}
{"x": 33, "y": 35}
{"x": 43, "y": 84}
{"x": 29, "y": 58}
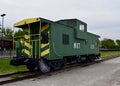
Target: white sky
{"x": 102, "y": 16}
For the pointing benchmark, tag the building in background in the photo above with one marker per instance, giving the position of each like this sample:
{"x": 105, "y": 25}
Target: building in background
{"x": 7, "y": 44}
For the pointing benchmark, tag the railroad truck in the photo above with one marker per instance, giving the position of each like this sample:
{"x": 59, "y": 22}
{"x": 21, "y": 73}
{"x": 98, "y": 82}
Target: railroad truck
{"x": 48, "y": 45}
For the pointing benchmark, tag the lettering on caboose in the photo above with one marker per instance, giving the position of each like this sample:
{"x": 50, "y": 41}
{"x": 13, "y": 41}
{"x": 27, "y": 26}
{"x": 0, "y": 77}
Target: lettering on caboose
{"x": 76, "y": 45}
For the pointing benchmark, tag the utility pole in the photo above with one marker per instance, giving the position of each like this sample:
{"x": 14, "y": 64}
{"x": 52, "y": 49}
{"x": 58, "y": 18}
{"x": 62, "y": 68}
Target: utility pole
{"x": 0, "y": 31}
{"x": 2, "y": 41}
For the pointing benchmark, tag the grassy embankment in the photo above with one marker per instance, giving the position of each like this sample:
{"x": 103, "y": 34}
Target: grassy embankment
{"x": 108, "y": 54}
{"x": 5, "y": 66}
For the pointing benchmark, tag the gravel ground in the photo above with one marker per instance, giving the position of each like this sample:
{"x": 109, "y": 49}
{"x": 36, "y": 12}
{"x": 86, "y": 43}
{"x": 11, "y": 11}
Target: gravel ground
{"x": 106, "y": 73}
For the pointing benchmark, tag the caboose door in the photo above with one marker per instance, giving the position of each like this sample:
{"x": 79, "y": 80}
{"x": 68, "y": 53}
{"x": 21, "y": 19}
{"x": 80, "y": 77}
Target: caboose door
{"x": 35, "y": 39}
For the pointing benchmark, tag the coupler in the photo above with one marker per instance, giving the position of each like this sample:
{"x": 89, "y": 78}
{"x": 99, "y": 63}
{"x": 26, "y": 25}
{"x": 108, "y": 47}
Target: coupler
{"x": 31, "y": 63}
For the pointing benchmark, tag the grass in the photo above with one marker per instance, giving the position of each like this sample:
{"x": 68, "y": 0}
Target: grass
{"x": 107, "y": 54}
{"x": 5, "y": 66}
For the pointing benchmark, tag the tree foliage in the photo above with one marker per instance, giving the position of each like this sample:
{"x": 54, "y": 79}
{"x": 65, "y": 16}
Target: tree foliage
{"x": 18, "y": 34}
{"x": 108, "y": 44}
{"x": 7, "y": 33}
{"x": 118, "y": 43}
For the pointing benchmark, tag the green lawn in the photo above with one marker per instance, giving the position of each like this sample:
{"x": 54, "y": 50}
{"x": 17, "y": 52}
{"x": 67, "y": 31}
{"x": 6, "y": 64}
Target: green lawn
{"x": 109, "y": 53}
{"x": 5, "y": 66}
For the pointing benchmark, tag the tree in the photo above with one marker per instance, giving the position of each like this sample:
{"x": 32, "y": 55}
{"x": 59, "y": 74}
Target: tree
{"x": 18, "y": 34}
{"x": 118, "y": 43}
{"x": 108, "y": 44}
{"x": 7, "y": 33}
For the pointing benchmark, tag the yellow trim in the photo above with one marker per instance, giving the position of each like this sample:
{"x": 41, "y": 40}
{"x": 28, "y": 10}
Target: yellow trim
{"x": 13, "y": 44}
{"x": 27, "y": 29}
{"x": 45, "y": 27}
{"x": 44, "y": 45}
{"x": 27, "y": 37}
{"x": 39, "y": 39}
{"x": 26, "y": 21}
{"x": 28, "y": 45}
{"x": 22, "y": 42}
{"x": 27, "y": 52}
{"x": 45, "y": 52}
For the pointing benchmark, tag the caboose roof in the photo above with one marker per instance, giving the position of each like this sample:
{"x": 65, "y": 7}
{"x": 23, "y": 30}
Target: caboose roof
{"x": 26, "y": 21}
{"x": 72, "y": 19}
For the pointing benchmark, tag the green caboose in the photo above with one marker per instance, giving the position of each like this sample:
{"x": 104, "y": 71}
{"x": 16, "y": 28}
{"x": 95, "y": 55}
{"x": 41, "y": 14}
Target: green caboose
{"x": 47, "y": 44}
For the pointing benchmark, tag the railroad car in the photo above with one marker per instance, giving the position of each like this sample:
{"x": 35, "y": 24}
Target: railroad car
{"x": 50, "y": 44}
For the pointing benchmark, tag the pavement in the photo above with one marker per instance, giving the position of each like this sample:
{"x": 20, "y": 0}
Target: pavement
{"x": 106, "y": 73}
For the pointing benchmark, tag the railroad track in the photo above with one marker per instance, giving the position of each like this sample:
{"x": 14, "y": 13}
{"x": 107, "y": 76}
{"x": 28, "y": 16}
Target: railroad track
{"x": 19, "y": 76}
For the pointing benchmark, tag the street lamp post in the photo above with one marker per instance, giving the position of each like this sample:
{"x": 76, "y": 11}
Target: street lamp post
{"x": 2, "y": 45}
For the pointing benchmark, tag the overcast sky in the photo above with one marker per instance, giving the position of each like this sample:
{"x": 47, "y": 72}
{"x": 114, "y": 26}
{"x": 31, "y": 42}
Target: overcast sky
{"x": 102, "y": 16}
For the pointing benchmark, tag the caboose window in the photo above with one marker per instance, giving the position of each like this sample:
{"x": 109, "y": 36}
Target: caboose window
{"x": 65, "y": 39}
{"x": 71, "y": 23}
{"x": 82, "y": 27}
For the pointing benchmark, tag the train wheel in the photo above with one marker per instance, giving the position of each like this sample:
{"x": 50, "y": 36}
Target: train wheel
{"x": 82, "y": 59}
{"x": 31, "y": 67}
{"x": 91, "y": 58}
{"x": 58, "y": 64}
{"x": 31, "y": 64}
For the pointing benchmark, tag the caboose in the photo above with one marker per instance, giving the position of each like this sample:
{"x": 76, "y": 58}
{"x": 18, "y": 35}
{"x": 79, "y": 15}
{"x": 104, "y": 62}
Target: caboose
{"x": 51, "y": 45}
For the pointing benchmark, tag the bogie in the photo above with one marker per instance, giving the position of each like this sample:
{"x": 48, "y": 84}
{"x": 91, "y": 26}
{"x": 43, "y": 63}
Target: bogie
{"x": 57, "y": 64}
{"x": 92, "y": 58}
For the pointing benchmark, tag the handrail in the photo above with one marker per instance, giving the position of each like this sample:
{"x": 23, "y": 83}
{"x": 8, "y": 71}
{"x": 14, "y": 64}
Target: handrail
{"x": 24, "y": 35}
